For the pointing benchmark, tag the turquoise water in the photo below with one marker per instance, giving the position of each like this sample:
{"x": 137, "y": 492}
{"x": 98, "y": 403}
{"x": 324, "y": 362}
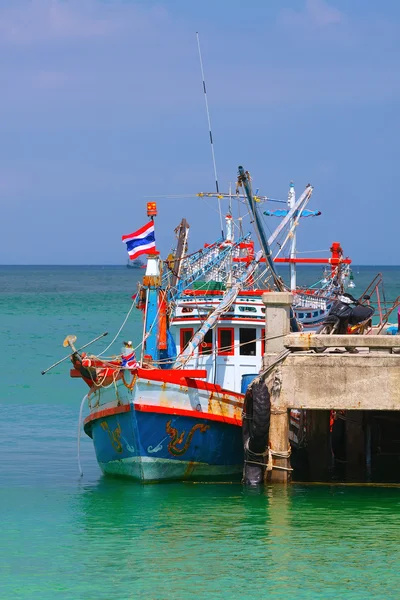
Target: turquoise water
{"x": 63, "y": 536}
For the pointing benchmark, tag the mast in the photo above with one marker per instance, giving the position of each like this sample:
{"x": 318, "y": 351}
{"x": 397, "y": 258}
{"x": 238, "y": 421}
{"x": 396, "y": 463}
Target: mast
{"x": 182, "y": 232}
{"x": 152, "y": 284}
{"x": 291, "y": 203}
{"x": 298, "y": 207}
{"x": 155, "y": 342}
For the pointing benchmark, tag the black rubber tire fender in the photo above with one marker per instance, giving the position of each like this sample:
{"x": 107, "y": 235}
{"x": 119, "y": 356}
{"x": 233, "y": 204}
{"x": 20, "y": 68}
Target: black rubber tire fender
{"x": 259, "y": 429}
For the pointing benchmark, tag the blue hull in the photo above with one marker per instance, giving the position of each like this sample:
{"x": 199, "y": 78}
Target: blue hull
{"x": 154, "y": 446}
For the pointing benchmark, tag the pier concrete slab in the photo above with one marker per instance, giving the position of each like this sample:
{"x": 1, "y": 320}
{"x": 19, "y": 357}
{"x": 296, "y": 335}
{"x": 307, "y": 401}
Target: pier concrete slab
{"x": 308, "y": 341}
{"x": 341, "y": 381}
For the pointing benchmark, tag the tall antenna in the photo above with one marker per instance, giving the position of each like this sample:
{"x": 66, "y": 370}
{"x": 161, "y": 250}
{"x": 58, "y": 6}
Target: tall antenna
{"x": 209, "y": 128}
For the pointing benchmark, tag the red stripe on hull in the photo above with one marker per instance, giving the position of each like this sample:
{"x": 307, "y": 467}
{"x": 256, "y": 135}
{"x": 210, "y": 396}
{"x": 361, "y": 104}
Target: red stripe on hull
{"x": 100, "y": 414}
{"x": 188, "y": 413}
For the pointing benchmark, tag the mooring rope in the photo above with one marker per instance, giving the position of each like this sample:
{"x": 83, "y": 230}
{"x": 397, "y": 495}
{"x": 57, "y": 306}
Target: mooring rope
{"x": 79, "y": 434}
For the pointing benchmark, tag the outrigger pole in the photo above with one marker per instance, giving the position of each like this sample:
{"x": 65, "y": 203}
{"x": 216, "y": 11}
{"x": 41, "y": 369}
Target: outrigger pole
{"x": 78, "y": 350}
{"x": 244, "y": 180}
{"x": 291, "y": 203}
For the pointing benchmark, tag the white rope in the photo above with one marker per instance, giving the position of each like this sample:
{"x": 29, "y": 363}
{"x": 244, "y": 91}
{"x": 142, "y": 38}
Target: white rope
{"x": 119, "y": 330}
{"x": 79, "y": 434}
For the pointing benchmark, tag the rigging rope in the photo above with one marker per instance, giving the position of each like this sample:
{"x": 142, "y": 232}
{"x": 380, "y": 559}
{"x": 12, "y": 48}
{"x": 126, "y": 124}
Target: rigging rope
{"x": 119, "y": 330}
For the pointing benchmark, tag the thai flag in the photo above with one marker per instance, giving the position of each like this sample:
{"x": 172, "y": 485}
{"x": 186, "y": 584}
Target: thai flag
{"x": 140, "y": 241}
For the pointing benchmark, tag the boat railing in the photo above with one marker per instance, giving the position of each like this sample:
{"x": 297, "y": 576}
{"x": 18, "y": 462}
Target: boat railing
{"x": 376, "y": 291}
{"x": 385, "y": 317}
{"x": 213, "y": 258}
{"x": 310, "y": 301}
{"x": 201, "y": 256}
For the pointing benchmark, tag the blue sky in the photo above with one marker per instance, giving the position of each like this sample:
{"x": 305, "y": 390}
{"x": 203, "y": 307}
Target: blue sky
{"x": 101, "y": 105}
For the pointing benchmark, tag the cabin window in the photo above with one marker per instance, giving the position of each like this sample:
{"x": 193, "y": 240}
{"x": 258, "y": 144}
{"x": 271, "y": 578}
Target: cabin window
{"x": 186, "y": 336}
{"x": 186, "y": 309}
{"x": 247, "y": 309}
{"x": 247, "y": 339}
{"x": 226, "y": 341}
{"x": 206, "y": 346}
{"x": 263, "y": 309}
{"x": 301, "y": 315}
{"x": 309, "y": 316}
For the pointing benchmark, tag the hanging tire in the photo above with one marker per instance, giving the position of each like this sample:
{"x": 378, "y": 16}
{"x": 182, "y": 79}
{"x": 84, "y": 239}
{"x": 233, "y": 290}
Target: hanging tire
{"x": 255, "y": 427}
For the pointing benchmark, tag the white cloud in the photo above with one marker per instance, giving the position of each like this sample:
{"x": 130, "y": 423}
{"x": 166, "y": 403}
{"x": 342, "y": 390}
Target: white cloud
{"x": 322, "y": 13}
{"x": 28, "y": 22}
{"x": 316, "y": 12}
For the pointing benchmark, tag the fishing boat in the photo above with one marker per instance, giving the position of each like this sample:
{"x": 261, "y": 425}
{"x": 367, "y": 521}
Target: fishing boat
{"x": 135, "y": 264}
{"x": 175, "y": 412}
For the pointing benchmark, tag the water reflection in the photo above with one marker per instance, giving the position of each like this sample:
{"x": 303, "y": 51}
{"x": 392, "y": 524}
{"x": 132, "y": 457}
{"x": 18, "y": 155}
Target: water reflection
{"x": 212, "y": 538}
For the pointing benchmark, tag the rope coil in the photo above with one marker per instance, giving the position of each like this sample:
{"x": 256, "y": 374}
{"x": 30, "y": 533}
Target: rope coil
{"x": 254, "y": 454}
{"x": 253, "y": 458}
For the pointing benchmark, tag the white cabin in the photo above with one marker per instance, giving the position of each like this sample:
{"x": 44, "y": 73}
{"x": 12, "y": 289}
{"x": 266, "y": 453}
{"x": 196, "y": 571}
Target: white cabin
{"x": 233, "y": 348}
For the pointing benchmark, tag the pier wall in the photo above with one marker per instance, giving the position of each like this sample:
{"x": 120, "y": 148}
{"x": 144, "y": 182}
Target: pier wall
{"x": 336, "y": 379}
{"x": 343, "y": 381}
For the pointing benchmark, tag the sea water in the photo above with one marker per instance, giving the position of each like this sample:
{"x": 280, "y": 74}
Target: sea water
{"x": 66, "y": 536}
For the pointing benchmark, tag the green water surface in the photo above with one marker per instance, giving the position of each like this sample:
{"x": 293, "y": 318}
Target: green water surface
{"x": 63, "y": 536}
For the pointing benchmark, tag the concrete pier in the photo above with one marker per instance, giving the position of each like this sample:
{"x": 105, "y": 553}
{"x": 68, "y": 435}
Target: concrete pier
{"x": 320, "y": 382}
{"x": 277, "y": 319}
